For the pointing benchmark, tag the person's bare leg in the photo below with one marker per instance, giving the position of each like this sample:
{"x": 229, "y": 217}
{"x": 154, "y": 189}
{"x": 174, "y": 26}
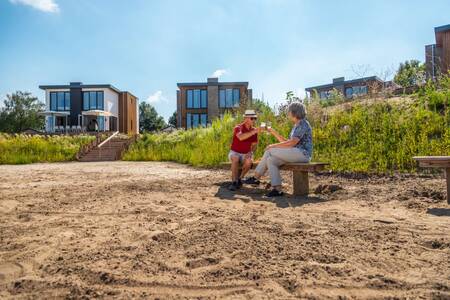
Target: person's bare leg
{"x": 234, "y": 168}
{"x": 246, "y": 166}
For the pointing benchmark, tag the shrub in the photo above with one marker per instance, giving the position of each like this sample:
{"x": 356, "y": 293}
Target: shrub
{"x": 23, "y": 149}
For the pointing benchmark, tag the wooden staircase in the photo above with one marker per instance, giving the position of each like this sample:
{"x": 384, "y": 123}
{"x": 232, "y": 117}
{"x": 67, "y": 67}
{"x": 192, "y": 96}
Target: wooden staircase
{"x": 109, "y": 150}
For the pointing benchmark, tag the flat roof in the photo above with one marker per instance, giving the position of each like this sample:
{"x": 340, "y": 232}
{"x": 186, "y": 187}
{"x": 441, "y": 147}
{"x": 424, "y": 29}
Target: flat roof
{"x": 80, "y": 85}
{"x": 180, "y": 84}
{"x": 330, "y": 85}
{"x": 442, "y": 28}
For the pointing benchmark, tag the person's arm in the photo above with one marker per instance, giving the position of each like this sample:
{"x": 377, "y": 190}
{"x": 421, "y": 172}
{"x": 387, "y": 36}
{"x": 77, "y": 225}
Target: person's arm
{"x": 243, "y": 136}
{"x": 249, "y": 155}
{"x": 278, "y": 136}
{"x": 286, "y": 144}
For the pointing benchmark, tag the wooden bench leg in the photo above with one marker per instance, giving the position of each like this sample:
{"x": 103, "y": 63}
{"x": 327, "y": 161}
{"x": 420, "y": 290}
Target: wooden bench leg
{"x": 447, "y": 177}
{"x": 301, "y": 183}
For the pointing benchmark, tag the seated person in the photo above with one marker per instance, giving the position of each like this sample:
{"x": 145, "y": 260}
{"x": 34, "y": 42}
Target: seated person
{"x": 296, "y": 149}
{"x": 245, "y": 138}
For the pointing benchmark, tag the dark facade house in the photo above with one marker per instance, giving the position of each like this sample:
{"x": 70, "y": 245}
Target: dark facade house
{"x": 437, "y": 56}
{"x": 77, "y": 107}
{"x": 198, "y": 103}
{"x": 348, "y": 88}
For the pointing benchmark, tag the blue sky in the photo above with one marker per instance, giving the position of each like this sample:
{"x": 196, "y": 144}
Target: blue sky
{"x": 146, "y": 47}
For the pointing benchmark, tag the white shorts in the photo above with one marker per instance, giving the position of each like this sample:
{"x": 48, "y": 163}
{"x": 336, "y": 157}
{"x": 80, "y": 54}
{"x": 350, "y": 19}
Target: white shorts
{"x": 240, "y": 155}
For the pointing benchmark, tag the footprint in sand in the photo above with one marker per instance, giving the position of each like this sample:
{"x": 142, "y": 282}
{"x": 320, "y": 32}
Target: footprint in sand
{"x": 7, "y": 206}
{"x": 10, "y": 271}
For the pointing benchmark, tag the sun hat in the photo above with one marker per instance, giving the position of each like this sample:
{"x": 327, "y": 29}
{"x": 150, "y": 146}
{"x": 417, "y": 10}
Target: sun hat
{"x": 250, "y": 113}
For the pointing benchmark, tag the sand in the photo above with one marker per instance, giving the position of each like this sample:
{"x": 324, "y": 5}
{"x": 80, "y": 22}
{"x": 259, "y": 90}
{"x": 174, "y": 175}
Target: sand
{"x": 167, "y": 231}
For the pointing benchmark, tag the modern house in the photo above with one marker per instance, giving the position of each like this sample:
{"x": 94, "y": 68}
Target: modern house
{"x": 78, "y": 107}
{"x": 348, "y": 88}
{"x": 437, "y": 56}
{"x": 198, "y": 103}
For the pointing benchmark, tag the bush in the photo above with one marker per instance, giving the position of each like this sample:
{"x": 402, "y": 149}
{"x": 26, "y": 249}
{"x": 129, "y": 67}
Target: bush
{"x": 24, "y": 149}
{"x": 382, "y": 136}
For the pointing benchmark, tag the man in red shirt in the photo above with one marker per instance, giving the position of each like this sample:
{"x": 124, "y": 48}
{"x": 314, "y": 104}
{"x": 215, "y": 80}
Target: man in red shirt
{"x": 245, "y": 139}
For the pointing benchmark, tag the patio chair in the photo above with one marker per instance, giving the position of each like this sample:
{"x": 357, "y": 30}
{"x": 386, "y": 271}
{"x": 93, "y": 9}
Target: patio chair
{"x": 78, "y": 128}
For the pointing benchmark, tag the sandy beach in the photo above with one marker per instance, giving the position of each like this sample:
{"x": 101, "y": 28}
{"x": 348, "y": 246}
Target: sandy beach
{"x": 167, "y": 231}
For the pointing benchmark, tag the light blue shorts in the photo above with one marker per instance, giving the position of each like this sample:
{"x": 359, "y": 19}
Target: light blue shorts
{"x": 240, "y": 155}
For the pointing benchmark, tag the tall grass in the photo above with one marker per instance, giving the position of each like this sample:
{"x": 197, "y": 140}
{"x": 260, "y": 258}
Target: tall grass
{"x": 379, "y": 137}
{"x": 24, "y": 149}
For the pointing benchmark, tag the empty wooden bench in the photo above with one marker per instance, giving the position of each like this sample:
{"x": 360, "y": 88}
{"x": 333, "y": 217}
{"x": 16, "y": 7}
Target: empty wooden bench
{"x": 300, "y": 173}
{"x": 442, "y": 162}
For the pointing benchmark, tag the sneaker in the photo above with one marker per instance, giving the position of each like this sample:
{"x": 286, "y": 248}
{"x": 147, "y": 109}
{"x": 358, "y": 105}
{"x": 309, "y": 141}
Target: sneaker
{"x": 274, "y": 193}
{"x": 234, "y": 186}
{"x": 251, "y": 180}
{"x": 239, "y": 183}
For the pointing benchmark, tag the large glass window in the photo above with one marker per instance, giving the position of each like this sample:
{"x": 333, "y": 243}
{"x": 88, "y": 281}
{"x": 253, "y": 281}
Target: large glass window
{"x": 222, "y": 102}
{"x": 349, "y": 92}
{"x": 204, "y": 120}
{"x": 190, "y": 98}
{"x": 204, "y": 99}
{"x": 59, "y": 101}
{"x": 195, "y": 120}
{"x": 53, "y": 101}
{"x": 196, "y": 99}
{"x": 229, "y": 98}
{"x": 93, "y": 100}
{"x": 85, "y": 101}
{"x": 67, "y": 100}
{"x": 360, "y": 90}
{"x": 188, "y": 121}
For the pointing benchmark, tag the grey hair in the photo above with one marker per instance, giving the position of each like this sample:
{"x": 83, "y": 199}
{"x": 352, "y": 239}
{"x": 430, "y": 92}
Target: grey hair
{"x": 298, "y": 110}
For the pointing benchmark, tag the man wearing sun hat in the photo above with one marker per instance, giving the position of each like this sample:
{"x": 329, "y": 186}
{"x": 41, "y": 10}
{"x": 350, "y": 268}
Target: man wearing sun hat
{"x": 245, "y": 139}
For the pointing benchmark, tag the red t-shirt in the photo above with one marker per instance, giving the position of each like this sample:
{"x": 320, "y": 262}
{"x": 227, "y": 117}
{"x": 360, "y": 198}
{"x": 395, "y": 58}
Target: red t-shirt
{"x": 244, "y": 146}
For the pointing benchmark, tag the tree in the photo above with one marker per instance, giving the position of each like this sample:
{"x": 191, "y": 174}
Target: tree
{"x": 410, "y": 73}
{"x": 149, "y": 120}
{"x": 21, "y": 111}
{"x": 173, "y": 119}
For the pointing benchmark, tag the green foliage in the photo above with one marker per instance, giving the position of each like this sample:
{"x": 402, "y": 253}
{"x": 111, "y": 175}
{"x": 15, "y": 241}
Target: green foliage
{"x": 20, "y": 111}
{"x": 410, "y": 73}
{"x": 24, "y": 149}
{"x": 199, "y": 147}
{"x": 379, "y": 137}
{"x": 149, "y": 120}
{"x": 173, "y": 119}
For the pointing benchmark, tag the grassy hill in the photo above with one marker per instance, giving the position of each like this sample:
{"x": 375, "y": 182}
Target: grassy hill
{"x": 371, "y": 135}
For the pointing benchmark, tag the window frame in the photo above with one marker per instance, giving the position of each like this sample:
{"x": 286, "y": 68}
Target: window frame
{"x": 54, "y": 101}
{"x": 99, "y": 104}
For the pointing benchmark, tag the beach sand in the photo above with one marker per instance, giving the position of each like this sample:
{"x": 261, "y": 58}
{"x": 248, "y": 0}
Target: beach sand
{"x": 167, "y": 231}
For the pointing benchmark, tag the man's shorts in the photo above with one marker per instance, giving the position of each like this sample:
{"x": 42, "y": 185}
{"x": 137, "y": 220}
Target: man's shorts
{"x": 240, "y": 155}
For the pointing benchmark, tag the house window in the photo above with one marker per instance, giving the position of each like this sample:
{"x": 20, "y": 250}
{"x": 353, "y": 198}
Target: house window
{"x": 196, "y": 120}
{"x": 349, "y": 92}
{"x": 324, "y": 94}
{"x": 196, "y": 99}
{"x": 360, "y": 90}
{"x": 229, "y": 98}
{"x": 60, "y": 101}
{"x": 93, "y": 100}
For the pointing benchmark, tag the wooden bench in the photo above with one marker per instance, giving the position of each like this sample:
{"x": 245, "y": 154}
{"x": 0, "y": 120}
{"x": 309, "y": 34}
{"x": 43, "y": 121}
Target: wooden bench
{"x": 300, "y": 173}
{"x": 442, "y": 162}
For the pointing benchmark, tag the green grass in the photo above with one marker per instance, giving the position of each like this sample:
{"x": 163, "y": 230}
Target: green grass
{"x": 379, "y": 137}
{"x": 24, "y": 149}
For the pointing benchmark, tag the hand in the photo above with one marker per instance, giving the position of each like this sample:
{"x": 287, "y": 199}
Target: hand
{"x": 259, "y": 130}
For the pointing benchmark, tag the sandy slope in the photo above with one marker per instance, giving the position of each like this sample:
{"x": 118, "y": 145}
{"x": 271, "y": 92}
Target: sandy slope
{"x": 161, "y": 230}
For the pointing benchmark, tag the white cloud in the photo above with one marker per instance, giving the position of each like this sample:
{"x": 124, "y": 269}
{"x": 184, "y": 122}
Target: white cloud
{"x": 219, "y": 73}
{"x": 49, "y": 6}
{"x": 156, "y": 97}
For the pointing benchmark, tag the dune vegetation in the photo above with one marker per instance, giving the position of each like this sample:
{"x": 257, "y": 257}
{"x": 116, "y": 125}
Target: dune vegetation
{"x": 24, "y": 149}
{"x": 368, "y": 135}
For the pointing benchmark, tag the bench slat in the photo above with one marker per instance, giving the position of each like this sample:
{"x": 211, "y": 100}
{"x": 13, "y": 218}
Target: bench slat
{"x": 306, "y": 167}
